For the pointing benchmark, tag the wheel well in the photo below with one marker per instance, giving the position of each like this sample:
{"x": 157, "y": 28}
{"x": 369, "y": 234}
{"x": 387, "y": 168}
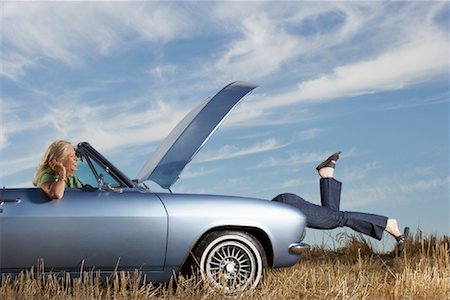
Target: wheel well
{"x": 260, "y": 235}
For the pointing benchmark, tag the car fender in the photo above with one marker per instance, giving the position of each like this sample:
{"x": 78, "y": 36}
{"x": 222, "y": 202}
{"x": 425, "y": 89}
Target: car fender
{"x": 192, "y": 216}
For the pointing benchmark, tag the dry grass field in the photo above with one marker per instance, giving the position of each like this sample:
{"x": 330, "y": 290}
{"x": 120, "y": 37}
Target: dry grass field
{"x": 353, "y": 271}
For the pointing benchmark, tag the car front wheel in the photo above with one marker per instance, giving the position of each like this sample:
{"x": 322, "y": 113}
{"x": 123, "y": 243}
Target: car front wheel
{"x": 231, "y": 260}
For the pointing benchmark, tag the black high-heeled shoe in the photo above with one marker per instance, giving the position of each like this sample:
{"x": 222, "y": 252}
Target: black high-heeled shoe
{"x": 401, "y": 241}
{"x": 329, "y": 161}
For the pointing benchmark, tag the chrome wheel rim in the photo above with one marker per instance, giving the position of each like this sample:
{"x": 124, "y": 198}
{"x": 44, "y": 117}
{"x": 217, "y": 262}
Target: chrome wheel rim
{"x": 231, "y": 265}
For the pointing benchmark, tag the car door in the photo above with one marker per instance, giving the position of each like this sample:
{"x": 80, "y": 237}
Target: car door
{"x": 90, "y": 227}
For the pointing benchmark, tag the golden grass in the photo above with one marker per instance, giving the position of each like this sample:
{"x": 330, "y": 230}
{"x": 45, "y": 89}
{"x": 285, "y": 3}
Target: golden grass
{"x": 354, "y": 271}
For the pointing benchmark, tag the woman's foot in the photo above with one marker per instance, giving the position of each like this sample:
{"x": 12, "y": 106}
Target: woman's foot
{"x": 392, "y": 228}
{"x": 326, "y": 172}
{"x": 326, "y": 168}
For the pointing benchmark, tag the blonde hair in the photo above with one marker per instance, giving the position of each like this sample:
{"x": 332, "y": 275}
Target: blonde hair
{"x": 57, "y": 150}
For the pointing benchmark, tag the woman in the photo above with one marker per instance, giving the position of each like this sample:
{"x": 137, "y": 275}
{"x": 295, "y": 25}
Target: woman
{"x": 56, "y": 170}
{"x": 329, "y": 216}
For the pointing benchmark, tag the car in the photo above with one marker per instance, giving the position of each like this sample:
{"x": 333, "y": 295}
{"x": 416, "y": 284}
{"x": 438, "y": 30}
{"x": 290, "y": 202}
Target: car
{"x": 118, "y": 223}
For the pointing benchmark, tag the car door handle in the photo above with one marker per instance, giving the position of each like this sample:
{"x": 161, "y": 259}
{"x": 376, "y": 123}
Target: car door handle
{"x": 17, "y": 200}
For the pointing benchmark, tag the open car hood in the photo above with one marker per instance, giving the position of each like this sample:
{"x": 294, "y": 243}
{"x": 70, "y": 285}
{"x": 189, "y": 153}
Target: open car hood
{"x": 189, "y": 136}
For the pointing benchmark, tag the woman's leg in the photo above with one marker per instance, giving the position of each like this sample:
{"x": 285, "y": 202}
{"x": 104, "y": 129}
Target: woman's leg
{"x": 320, "y": 217}
{"x": 330, "y": 193}
{"x": 317, "y": 216}
{"x": 330, "y": 188}
{"x": 374, "y": 225}
{"x": 329, "y": 216}
{"x": 369, "y": 224}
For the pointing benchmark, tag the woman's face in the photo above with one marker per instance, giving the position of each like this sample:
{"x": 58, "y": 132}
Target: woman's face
{"x": 70, "y": 161}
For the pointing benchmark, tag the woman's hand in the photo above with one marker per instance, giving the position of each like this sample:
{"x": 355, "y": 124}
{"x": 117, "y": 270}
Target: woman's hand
{"x": 59, "y": 168}
{"x": 55, "y": 189}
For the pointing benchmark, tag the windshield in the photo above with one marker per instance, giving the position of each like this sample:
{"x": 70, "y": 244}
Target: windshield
{"x": 90, "y": 172}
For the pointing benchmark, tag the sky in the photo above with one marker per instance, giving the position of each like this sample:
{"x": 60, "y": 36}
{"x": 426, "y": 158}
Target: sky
{"x": 370, "y": 79}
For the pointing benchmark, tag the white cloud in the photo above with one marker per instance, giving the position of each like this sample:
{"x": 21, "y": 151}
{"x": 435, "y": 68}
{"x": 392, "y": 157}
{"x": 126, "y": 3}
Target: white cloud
{"x": 161, "y": 72}
{"x": 384, "y": 190}
{"x": 423, "y": 185}
{"x": 71, "y": 32}
{"x": 110, "y": 128}
{"x": 391, "y": 53}
{"x": 231, "y": 151}
{"x": 360, "y": 173}
{"x": 11, "y": 167}
{"x": 189, "y": 174}
{"x": 269, "y": 38}
{"x": 253, "y": 113}
{"x": 3, "y": 140}
{"x": 411, "y": 103}
{"x": 291, "y": 183}
{"x": 296, "y": 158}
{"x": 255, "y": 135}
{"x": 265, "y": 36}
{"x": 409, "y": 64}
{"x": 424, "y": 57}
{"x": 127, "y": 124}
{"x": 309, "y": 134}
{"x": 262, "y": 50}
{"x": 14, "y": 66}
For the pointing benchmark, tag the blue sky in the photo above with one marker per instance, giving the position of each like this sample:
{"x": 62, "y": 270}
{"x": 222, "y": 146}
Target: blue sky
{"x": 368, "y": 78}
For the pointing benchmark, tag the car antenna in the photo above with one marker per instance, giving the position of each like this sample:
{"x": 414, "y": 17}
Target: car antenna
{"x": 170, "y": 190}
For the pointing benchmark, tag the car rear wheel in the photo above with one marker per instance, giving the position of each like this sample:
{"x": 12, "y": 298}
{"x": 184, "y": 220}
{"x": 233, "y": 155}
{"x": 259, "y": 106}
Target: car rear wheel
{"x": 231, "y": 260}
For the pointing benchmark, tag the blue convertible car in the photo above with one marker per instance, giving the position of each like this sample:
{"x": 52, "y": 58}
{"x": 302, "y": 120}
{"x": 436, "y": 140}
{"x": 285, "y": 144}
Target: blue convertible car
{"x": 116, "y": 220}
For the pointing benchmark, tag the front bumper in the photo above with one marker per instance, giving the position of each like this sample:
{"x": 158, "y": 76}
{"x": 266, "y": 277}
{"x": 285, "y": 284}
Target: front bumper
{"x": 298, "y": 248}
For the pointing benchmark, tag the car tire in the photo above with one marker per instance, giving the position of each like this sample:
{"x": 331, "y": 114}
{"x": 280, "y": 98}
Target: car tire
{"x": 231, "y": 260}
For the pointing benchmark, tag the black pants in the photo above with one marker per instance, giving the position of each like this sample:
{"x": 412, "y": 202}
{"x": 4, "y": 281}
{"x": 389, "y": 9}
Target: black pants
{"x": 329, "y": 216}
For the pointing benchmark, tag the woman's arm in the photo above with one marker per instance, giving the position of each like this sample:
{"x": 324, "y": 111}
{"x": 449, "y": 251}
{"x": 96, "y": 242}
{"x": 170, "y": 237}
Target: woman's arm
{"x": 55, "y": 189}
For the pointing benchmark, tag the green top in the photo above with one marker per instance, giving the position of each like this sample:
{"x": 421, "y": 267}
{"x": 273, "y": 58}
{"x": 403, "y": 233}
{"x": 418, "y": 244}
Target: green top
{"x": 72, "y": 180}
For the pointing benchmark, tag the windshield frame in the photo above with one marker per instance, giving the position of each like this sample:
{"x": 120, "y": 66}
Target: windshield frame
{"x": 86, "y": 151}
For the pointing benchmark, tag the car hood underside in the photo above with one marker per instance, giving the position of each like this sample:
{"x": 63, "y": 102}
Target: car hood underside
{"x": 189, "y": 136}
